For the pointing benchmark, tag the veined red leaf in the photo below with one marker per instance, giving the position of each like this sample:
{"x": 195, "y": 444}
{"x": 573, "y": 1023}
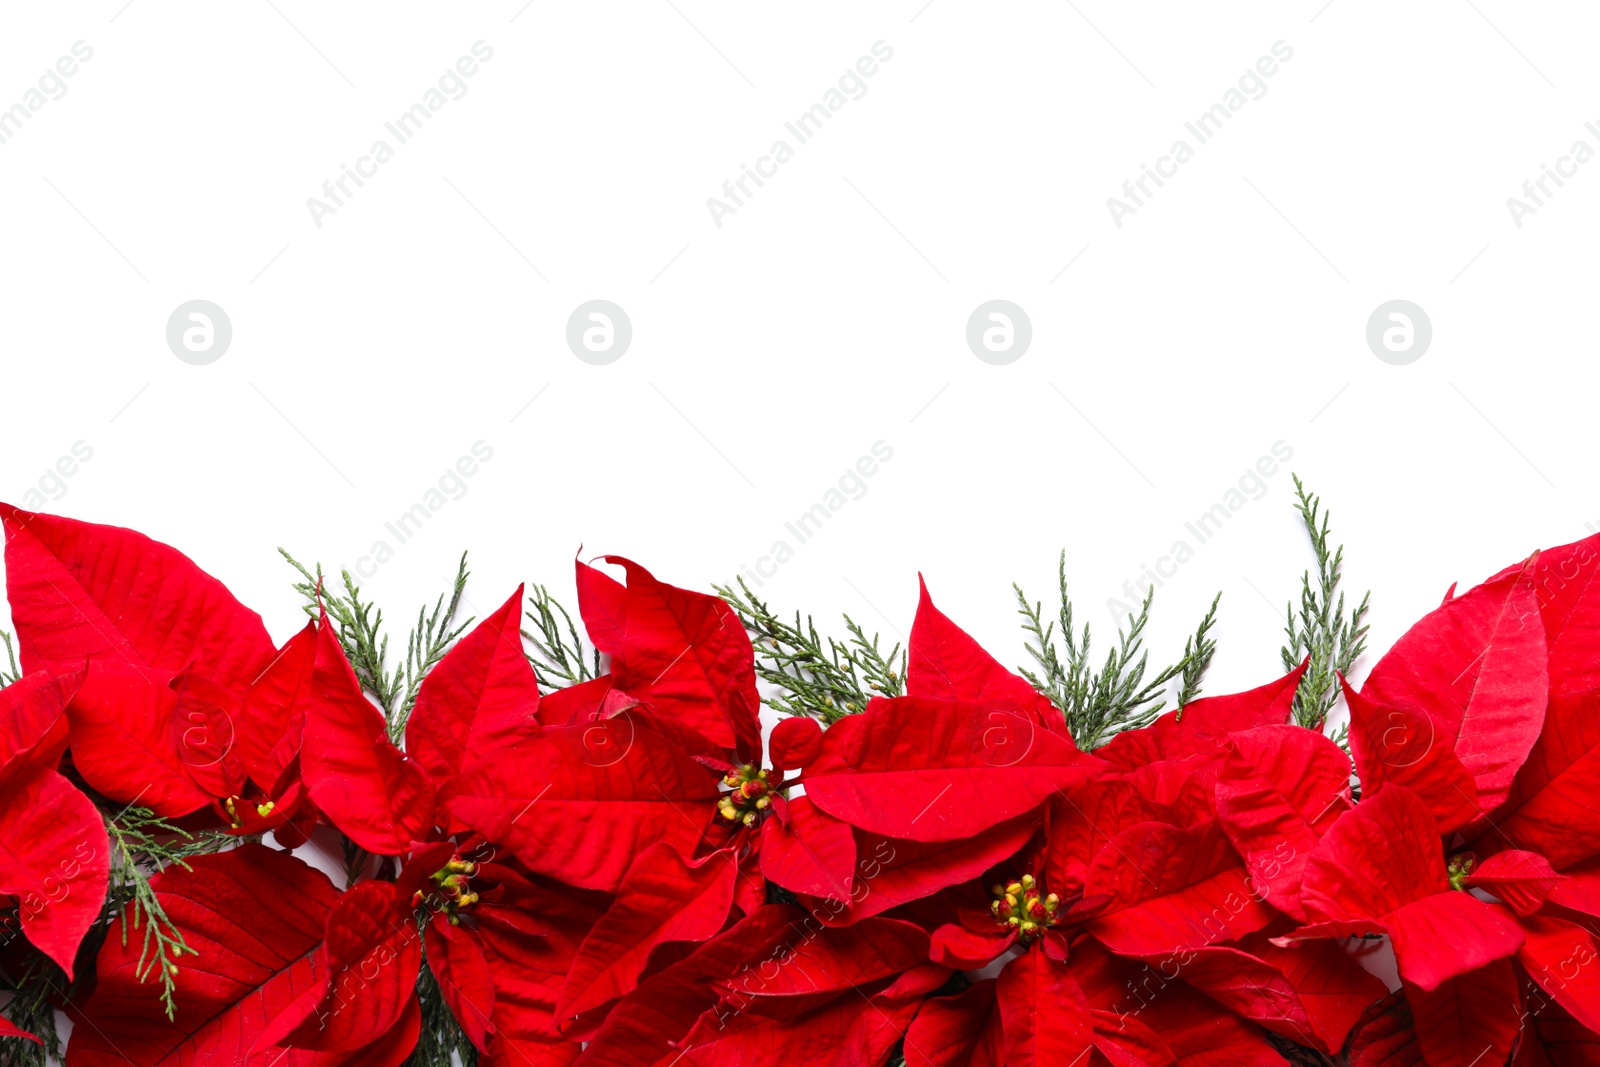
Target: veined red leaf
{"x": 1477, "y": 668}
{"x": 1385, "y": 1037}
{"x": 124, "y": 742}
{"x": 810, "y": 852}
{"x": 1280, "y": 788}
{"x": 206, "y": 721}
{"x": 663, "y": 898}
{"x": 580, "y": 802}
{"x": 1082, "y": 821}
{"x": 1469, "y": 1020}
{"x": 1170, "y": 890}
{"x": 54, "y": 858}
{"x": 480, "y": 697}
{"x": 1561, "y": 957}
{"x": 272, "y": 711}
{"x": 686, "y": 654}
{"x": 255, "y": 917}
{"x": 1524, "y": 880}
{"x": 81, "y": 591}
{"x": 464, "y": 978}
{"x": 892, "y": 871}
{"x": 1201, "y": 725}
{"x": 368, "y": 788}
{"x": 373, "y": 951}
{"x": 33, "y": 721}
{"x": 1550, "y": 808}
{"x": 944, "y": 663}
{"x": 935, "y": 770}
{"x": 1198, "y": 1031}
{"x": 959, "y": 1031}
{"x": 835, "y": 959}
{"x": 1379, "y": 868}
{"x": 1569, "y": 604}
{"x": 1044, "y": 1014}
{"x": 1405, "y": 746}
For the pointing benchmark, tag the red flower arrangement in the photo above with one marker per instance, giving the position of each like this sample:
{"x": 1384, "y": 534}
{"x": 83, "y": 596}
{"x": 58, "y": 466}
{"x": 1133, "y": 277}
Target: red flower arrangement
{"x": 619, "y": 868}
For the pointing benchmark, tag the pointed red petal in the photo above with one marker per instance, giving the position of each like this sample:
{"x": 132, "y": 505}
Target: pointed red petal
{"x": 1523, "y": 880}
{"x": 124, "y": 742}
{"x": 663, "y": 898}
{"x": 1281, "y": 787}
{"x": 934, "y": 770}
{"x": 255, "y": 916}
{"x": 480, "y": 697}
{"x": 580, "y": 802}
{"x": 364, "y": 784}
{"x": 943, "y": 662}
{"x": 1385, "y": 1037}
{"x": 684, "y": 653}
{"x": 1561, "y": 957}
{"x": 1160, "y": 878}
{"x": 1044, "y": 1014}
{"x": 464, "y": 978}
{"x": 373, "y": 951}
{"x": 82, "y": 591}
{"x": 54, "y": 858}
{"x": 1468, "y": 1021}
{"x": 811, "y": 853}
{"x": 958, "y": 1031}
{"x": 1550, "y": 809}
{"x": 1379, "y": 856}
{"x": 272, "y": 711}
{"x": 1082, "y": 821}
{"x": 1476, "y": 667}
{"x": 1565, "y": 584}
{"x": 1405, "y": 746}
{"x": 33, "y": 721}
{"x": 1201, "y": 725}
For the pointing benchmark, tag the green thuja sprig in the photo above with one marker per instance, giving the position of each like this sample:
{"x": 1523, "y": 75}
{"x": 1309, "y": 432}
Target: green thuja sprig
{"x": 1322, "y": 629}
{"x": 1100, "y": 703}
{"x": 360, "y": 627}
{"x": 142, "y": 845}
{"x": 558, "y": 658}
{"x": 14, "y": 675}
{"x": 1197, "y": 652}
{"x": 822, "y": 677}
{"x": 33, "y": 992}
{"x": 442, "y": 1043}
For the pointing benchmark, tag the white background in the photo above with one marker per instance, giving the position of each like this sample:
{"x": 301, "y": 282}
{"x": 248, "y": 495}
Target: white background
{"x": 428, "y": 313}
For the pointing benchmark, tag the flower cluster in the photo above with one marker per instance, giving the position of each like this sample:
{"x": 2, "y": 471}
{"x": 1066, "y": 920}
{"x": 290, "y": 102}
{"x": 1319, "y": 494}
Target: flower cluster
{"x": 629, "y": 870}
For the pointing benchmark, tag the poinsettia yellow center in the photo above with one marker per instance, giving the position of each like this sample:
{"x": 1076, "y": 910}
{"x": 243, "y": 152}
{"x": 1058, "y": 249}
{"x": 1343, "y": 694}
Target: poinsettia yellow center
{"x": 233, "y": 804}
{"x": 1020, "y": 907}
{"x": 748, "y": 795}
{"x": 1458, "y": 869}
{"x": 451, "y": 890}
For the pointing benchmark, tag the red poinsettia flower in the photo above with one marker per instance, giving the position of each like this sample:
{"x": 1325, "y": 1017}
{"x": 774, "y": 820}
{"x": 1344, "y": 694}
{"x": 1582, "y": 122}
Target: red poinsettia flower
{"x": 185, "y": 704}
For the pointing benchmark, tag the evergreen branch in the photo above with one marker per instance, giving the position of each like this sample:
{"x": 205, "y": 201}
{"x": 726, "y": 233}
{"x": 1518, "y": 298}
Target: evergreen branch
{"x": 442, "y": 1043}
{"x": 360, "y": 628}
{"x": 14, "y": 675}
{"x": 31, "y": 1007}
{"x": 558, "y": 655}
{"x": 359, "y": 624}
{"x": 1197, "y": 653}
{"x": 1099, "y": 704}
{"x": 818, "y": 676}
{"x": 143, "y": 844}
{"x": 426, "y": 645}
{"x": 1322, "y": 631}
